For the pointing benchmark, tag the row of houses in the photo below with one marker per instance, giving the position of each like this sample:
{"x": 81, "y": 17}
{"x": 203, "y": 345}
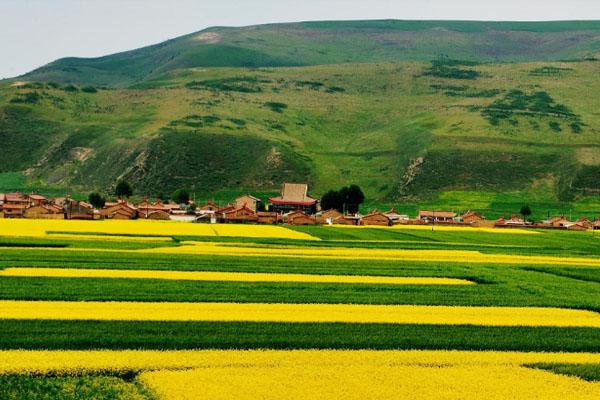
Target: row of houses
{"x": 559, "y": 222}
{"x": 293, "y": 206}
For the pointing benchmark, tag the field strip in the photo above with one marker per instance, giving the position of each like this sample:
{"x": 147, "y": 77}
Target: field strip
{"x": 340, "y": 253}
{"x": 462, "y": 256}
{"x": 442, "y": 228}
{"x": 44, "y": 361}
{"x": 428, "y": 242}
{"x": 279, "y": 312}
{"x": 334, "y": 374}
{"x": 39, "y": 228}
{"x": 359, "y": 381}
{"x": 227, "y": 276}
{"x": 109, "y": 238}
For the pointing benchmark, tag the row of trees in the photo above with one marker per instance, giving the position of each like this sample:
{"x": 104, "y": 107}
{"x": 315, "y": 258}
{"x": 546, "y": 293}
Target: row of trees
{"x": 347, "y": 199}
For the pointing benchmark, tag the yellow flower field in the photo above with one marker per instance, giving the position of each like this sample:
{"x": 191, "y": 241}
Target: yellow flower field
{"x": 462, "y": 256}
{"x": 443, "y": 228}
{"x": 280, "y": 312}
{"x": 333, "y": 374}
{"x": 227, "y": 276}
{"x": 108, "y": 238}
{"x": 38, "y": 228}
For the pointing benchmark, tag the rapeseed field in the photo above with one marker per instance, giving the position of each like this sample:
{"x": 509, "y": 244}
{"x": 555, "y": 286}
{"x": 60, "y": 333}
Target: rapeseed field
{"x": 159, "y": 310}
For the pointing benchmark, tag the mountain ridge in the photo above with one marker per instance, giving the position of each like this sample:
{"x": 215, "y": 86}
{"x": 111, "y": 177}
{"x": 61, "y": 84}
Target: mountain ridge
{"x": 320, "y": 43}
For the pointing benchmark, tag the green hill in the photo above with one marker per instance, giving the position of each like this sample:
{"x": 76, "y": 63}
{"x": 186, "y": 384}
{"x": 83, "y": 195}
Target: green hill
{"x": 442, "y": 133}
{"x": 319, "y": 43}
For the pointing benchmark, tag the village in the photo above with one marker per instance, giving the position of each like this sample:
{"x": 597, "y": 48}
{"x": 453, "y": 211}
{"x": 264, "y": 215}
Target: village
{"x": 294, "y": 206}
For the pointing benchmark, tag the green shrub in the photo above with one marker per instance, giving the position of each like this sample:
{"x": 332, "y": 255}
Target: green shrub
{"x": 26, "y": 98}
{"x": 244, "y": 84}
{"x": 450, "y": 69}
{"x": 275, "y": 106}
{"x": 517, "y": 103}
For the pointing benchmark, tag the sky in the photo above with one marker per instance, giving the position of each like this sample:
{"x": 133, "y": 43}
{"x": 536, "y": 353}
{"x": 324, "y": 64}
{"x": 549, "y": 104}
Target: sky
{"x": 35, "y": 32}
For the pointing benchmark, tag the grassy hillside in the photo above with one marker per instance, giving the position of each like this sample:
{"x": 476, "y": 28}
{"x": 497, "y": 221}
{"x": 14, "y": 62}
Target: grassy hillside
{"x": 445, "y": 133}
{"x": 329, "y": 42}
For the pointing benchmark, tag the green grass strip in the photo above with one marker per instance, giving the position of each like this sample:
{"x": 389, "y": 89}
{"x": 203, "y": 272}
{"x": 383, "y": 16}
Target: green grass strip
{"x": 588, "y": 372}
{"x": 85, "y": 335}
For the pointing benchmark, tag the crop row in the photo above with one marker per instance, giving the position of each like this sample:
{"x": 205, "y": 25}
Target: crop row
{"x": 335, "y": 374}
{"x": 265, "y": 312}
{"x": 85, "y": 335}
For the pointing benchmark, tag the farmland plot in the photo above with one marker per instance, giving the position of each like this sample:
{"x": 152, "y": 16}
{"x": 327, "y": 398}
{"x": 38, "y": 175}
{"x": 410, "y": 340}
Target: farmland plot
{"x": 178, "y": 311}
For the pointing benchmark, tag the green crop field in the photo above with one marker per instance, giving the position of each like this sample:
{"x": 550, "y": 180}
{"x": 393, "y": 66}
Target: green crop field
{"x": 512, "y": 270}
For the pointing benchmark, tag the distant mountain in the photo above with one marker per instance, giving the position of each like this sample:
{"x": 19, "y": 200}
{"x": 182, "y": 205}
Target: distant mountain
{"x": 230, "y": 110}
{"x": 319, "y": 43}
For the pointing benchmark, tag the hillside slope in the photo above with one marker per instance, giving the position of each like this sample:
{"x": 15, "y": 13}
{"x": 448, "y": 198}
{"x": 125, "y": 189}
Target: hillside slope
{"x": 320, "y": 43}
{"x": 402, "y": 131}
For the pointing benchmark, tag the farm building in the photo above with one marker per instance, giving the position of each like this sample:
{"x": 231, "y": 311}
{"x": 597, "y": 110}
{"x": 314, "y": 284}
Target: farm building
{"x": 242, "y": 214}
{"x": 145, "y": 209}
{"x": 327, "y": 217}
{"x": 472, "y": 217}
{"x": 120, "y": 210}
{"x": 584, "y": 221}
{"x": 13, "y": 210}
{"x": 395, "y": 217}
{"x": 209, "y": 206}
{"x": 158, "y": 215}
{"x": 13, "y": 205}
{"x": 300, "y": 218}
{"x": 577, "y": 226}
{"x": 78, "y": 210}
{"x": 294, "y": 196}
{"x": 512, "y": 221}
{"x": 37, "y": 199}
{"x": 253, "y": 203}
{"x": 15, "y": 198}
{"x": 347, "y": 220}
{"x": 436, "y": 216}
{"x": 50, "y": 211}
{"x": 268, "y": 217}
{"x": 376, "y": 218}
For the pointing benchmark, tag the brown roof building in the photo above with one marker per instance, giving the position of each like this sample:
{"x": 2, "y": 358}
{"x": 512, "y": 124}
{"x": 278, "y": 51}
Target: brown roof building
{"x": 242, "y": 214}
{"x": 50, "y": 211}
{"x": 120, "y": 210}
{"x": 294, "y": 196}
{"x": 437, "y": 216}
{"x": 269, "y": 217}
{"x": 78, "y": 210}
{"x": 376, "y": 218}
{"x": 300, "y": 218}
{"x": 253, "y": 203}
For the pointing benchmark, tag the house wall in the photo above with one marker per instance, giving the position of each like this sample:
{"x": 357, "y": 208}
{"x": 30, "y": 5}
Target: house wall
{"x": 377, "y": 220}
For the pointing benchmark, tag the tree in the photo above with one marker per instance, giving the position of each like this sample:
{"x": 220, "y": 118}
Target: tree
{"x": 181, "y": 196}
{"x": 190, "y": 209}
{"x": 525, "y": 211}
{"x": 96, "y": 200}
{"x": 123, "y": 189}
{"x": 348, "y": 198}
{"x": 354, "y": 197}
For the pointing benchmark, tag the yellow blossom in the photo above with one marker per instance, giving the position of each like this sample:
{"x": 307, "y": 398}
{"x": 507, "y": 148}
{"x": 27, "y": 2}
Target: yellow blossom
{"x": 227, "y": 276}
{"x": 39, "y": 228}
{"x": 300, "y": 374}
{"x": 280, "y": 312}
